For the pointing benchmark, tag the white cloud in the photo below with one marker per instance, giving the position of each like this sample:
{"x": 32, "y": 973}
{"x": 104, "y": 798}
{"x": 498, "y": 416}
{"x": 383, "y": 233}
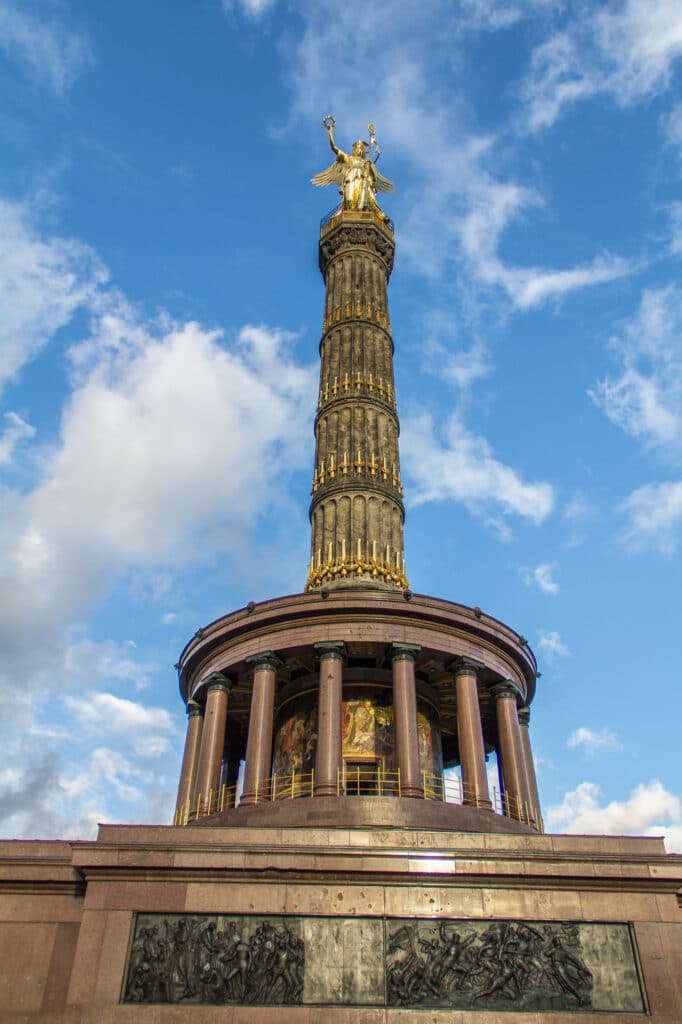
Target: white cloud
{"x": 107, "y": 713}
{"x": 50, "y": 53}
{"x": 579, "y": 508}
{"x": 675, "y": 212}
{"x": 43, "y": 282}
{"x": 655, "y": 514}
{"x": 626, "y": 51}
{"x": 172, "y": 441}
{"x": 253, "y": 8}
{"x": 542, "y": 576}
{"x": 592, "y": 742}
{"x": 552, "y": 645}
{"x": 650, "y": 810}
{"x": 645, "y": 397}
{"x": 672, "y": 128}
{"x": 451, "y": 206}
{"x": 16, "y": 430}
{"x": 463, "y": 468}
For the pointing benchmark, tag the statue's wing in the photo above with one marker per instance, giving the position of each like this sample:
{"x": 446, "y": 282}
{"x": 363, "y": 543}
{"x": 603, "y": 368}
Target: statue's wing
{"x": 382, "y": 184}
{"x": 334, "y": 175}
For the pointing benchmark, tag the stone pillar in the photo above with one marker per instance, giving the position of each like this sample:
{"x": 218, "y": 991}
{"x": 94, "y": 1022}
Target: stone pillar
{"x": 470, "y": 735}
{"x": 510, "y": 751}
{"x": 524, "y": 722}
{"x": 328, "y": 750}
{"x": 212, "y": 738}
{"x": 405, "y": 719}
{"x": 190, "y": 758}
{"x": 259, "y": 740}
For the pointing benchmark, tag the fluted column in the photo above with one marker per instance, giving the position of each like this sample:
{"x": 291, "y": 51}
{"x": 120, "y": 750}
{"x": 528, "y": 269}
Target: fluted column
{"x": 405, "y": 718}
{"x": 190, "y": 758}
{"x": 259, "y": 740}
{"x": 328, "y": 750}
{"x": 524, "y": 722}
{"x": 212, "y": 736}
{"x": 510, "y": 751}
{"x": 470, "y": 735}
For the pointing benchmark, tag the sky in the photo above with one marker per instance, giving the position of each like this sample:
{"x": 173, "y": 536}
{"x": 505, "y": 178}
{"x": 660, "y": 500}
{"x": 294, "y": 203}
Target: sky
{"x": 160, "y": 317}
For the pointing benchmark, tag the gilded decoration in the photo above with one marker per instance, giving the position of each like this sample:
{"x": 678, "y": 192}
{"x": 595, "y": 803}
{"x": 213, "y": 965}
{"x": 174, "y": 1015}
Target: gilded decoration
{"x": 355, "y": 173}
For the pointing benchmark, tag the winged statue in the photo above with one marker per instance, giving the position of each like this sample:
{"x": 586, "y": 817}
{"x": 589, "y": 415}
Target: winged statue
{"x": 355, "y": 173}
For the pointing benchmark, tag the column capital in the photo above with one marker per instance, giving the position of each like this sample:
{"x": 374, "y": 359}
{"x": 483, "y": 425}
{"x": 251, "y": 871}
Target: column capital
{"x": 217, "y": 681}
{"x": 467, "y": 666}
{"x": 404, "y": 652}
{"x": 524, "y": 716}
{"x": 193, "y": 708}
{"x": 505, "y": 688}
{"x": 264, "y": 659}
{"x": 331, "y": 649}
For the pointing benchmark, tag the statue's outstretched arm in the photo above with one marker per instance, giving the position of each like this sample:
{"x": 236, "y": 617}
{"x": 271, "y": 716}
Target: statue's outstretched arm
{"x": 330, "y": 125}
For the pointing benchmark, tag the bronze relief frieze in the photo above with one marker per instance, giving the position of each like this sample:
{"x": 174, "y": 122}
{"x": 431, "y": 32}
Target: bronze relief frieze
{"x": 415, "y": 963}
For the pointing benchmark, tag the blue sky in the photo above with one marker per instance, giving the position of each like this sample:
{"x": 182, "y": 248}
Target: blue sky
{"x": 161, "y": 309}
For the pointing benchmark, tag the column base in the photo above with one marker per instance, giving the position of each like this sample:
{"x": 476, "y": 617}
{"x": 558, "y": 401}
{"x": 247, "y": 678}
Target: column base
{"x": 484, "y": 805}
{"x": 327, "y": 789}
{"x": 412, "y": 791}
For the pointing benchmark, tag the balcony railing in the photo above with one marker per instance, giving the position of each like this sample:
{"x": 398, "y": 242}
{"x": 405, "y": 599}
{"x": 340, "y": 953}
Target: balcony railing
{"x": 357, "y": 781}
{"x": 369, "y": 215}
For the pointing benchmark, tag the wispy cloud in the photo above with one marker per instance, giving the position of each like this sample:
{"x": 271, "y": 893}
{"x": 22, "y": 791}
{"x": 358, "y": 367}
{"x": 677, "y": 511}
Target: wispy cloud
{"x": 463, "y": 468}
{"x": 541, "y": 576}
{"x": 592, "y": 742}
{"x": 655, "y": 517}
{"x": 626, "y": 51}
{"x": 17, "y": 429}
{"x": 105, "y": 712}
{"x": 650, "y": 809}
{"x": 551, "y": 645}
{"x": 645, "y": 397}
{"x": 50, "y": 53}
{"x": 43, "y": 282}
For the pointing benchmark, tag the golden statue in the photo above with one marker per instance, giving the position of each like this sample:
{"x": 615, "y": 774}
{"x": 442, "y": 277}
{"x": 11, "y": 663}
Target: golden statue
{"x": 356, "y": 174}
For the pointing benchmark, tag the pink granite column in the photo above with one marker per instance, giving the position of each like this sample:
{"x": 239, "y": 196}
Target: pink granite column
{"x": 259, "y": 740}
{"x": 212, "y": 739}
{"x": 524, "y": 722}
{"x": 470, "y": 735}
{"x": 328, "y": 750}
{"x": 190, "y": 758}
{"x": 405, "y": 719}
{"x": 510, "y": 751}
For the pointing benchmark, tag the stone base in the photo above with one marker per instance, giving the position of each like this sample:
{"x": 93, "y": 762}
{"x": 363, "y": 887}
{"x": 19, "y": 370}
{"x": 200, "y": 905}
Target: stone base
{"x": 370, "y": 925}
{"x": 363, "y": 812}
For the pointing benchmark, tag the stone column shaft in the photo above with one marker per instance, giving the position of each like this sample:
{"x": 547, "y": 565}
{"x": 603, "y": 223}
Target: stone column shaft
{"x": 470, "y": 736}
{"x": 524, "y": 722}
{"x": 212, "y": 738}
{"x": 328, "y": 750}
{"x": 259, "y": 740}
{"x": 190, "y": 758}
{"x": 405, "y": 719}
{"x": 510, "y": 751}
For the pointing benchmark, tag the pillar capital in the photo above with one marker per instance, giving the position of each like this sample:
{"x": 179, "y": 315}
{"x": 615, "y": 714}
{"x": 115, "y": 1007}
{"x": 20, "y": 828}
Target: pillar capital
{"x": 524, "y": 716}
{"x": 331, "y": 649}
{"x": 505, "y": 688}
{"x": 404, "y": 652}
{"x": 467, "y": 666}
{"x": 217, "y": 681}
{"x": 264, "y": 659}
{"x": 194, "y": 708}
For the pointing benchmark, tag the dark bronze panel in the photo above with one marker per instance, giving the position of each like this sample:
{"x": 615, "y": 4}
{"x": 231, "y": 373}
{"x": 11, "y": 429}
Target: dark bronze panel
{"x": 522, "y": 966}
